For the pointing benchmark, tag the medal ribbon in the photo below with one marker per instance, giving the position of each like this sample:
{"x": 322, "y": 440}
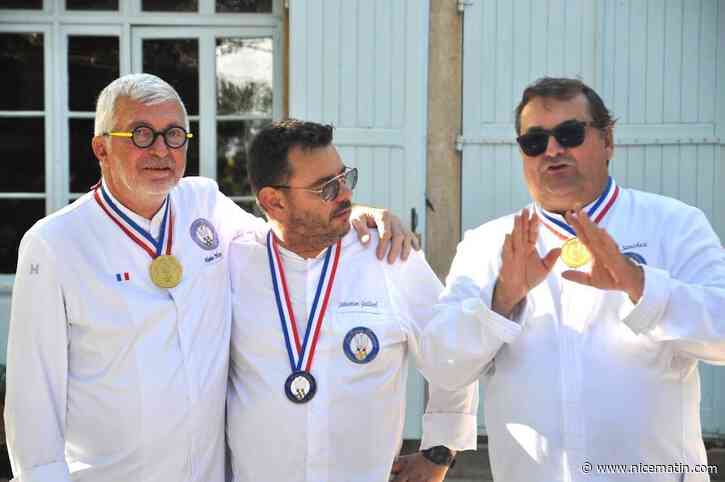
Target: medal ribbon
{"x": 596, "y": 212}
{"x": 154, "y": 247}
{"x": 301, "y": 354}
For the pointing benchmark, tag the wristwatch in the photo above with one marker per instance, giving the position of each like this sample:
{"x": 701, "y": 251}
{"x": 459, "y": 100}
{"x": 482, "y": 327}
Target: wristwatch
{"x": 440, "y": 455}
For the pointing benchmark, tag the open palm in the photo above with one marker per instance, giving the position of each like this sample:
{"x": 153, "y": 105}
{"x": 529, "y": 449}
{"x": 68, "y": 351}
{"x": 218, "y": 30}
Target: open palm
{"x": 611, "y": 270}
{"x": 522, "y": 268}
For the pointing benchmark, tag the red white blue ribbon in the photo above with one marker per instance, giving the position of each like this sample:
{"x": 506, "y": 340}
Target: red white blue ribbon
{"x": 154, "y": 247}
{"x": 596, "y": 212}
{"x": 301, "y": 352}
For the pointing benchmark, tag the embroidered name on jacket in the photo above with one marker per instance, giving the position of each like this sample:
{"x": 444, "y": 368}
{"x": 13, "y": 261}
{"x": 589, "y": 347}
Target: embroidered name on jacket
{"x": 368, "y": 306}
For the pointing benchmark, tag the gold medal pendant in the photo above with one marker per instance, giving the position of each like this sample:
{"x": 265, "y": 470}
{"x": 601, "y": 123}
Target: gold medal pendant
{"x": 166, "y": 271}
{"x": 575, "y": 254}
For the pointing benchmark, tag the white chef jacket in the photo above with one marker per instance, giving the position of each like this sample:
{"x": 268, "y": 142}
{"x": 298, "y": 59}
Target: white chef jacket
{"x": 582, "y": 374}
{"x": 351, "y": 430}
{"x": 111, "y": 379}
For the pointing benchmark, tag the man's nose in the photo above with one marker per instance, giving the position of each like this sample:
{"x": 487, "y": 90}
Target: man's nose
{"x": 553, "y": 148}
{"x": 159, "y": 147}
{"x": 345, "y": 193}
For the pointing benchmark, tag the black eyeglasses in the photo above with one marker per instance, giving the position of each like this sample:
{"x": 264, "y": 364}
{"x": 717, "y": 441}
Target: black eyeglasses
{"x": 144, "y": 136}
{"x": 330, "y": 189}
{"x": 568, "y": 134}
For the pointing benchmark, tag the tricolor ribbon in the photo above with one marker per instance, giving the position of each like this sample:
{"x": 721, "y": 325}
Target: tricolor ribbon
{"x": 596, "y": 212}
{"x": 301, "y": 353}
{"x": 154, "y": 247}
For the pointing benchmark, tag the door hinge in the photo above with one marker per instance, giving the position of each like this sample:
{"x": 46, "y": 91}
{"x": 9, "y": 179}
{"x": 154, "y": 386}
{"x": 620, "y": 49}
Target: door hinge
{"x": 462, "y": 4}
{"x": 460, "y": 141}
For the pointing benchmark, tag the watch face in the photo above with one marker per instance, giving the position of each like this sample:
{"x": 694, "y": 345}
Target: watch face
{"x": 439, "y": 455}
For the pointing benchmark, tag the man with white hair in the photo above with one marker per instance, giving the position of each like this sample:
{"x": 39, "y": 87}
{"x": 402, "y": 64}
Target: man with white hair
{"x": 118, "y": 349}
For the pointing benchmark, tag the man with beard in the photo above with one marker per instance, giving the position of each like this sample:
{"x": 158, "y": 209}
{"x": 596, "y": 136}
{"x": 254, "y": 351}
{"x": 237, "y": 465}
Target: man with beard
{"x": 118, "y": 349}
{"x": 321, "y": 333}
{"x": 588, "y": 311}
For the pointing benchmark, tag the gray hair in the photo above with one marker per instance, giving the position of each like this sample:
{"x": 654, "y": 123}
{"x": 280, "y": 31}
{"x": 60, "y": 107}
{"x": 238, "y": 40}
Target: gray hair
{"x": 144, "y": 88}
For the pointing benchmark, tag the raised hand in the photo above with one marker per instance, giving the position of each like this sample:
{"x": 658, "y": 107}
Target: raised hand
{"x": 395, "y": 239}
{"x": 522, "y": 268}
{"x": 611, "y": 270}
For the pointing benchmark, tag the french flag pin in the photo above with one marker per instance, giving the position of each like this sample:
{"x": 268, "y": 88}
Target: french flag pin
{"x": 122, "y": 277}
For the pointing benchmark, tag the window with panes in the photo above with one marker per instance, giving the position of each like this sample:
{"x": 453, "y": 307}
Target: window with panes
{"x": 222, "y": 56}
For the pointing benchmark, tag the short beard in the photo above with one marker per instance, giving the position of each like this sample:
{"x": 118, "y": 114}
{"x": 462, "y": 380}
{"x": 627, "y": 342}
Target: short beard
{"x": 306, "y": 231}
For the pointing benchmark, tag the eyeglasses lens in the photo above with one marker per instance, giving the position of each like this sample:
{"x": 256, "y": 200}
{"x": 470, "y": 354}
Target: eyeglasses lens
{"x": 331, "y": 189}
{"x": 568, "y": 134}
{"x": 143, "y": 136}
{"x": 174, "y": 137}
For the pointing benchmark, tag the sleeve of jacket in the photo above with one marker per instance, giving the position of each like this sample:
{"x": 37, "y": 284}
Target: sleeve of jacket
{"x": 37, "y": 368}
{"x": 683, "y": 302}
{"x": 450, "y": 416}
{"x": 463, "y": 334}
{"x": 235, "y": 220}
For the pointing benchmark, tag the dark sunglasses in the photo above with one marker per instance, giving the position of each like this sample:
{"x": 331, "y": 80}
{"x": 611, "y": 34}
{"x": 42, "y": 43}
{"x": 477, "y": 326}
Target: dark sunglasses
{"x": 330, "y": 189}
{"x": 568, "y": 134}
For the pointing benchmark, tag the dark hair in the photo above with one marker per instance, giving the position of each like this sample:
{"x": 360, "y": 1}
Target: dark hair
{"x": 566, "y": 89}
{"x": 267, "y": 160}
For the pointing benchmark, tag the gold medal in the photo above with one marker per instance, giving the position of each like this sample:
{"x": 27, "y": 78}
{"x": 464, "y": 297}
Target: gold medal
{"x": 166, "y": 271}
{"x": 575, "y": 254}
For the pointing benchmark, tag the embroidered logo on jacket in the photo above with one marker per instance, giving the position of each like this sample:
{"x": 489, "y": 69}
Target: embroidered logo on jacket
{"x": 636, "y": 257}
{"x": 361, "y": 345}
{"x": 204, "y": 234}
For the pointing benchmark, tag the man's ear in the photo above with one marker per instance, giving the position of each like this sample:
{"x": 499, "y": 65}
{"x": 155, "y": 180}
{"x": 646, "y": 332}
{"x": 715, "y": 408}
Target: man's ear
{"x": 98, "y": 144}
{"x": 272, "y": 202}
{"x": 609, "y": 140}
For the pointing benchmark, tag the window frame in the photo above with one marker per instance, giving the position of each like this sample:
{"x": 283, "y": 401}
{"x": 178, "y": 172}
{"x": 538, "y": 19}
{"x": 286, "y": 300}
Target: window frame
{"x": 49, "y": 84}
{"x": 207, "y": 117}
{"x": 64, "y": 113}
{"x": 57, "y": 24}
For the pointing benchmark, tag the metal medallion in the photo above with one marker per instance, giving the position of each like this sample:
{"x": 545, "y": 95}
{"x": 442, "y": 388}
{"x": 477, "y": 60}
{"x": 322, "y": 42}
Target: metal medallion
{"x": 166, "y": 271}
{"x": 300, "y": 387}
{"x": 575, "y": 254}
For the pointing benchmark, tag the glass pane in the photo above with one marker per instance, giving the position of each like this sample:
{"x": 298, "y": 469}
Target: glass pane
{"x": 244, "y": 76}
{"x": 177, "y": 62}
{"x": 244, "y": 6}
{"x": 19, "y": 215}
{"x": 84, "y": 169}
{"x": 24, "y": 4}
{"x": 22, "y": 149}
{"x": 92, "y": 65}
{"x": 21, "y": 62}
{"x": 192, "y": 152}
{"x": 232, "y": 140}
{"x": 91, "y": 4}
{"x": 170, "y": 5}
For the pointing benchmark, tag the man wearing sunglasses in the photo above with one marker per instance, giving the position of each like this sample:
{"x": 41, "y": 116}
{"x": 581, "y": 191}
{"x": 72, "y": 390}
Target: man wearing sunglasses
{"x": 587, "y": 311}
{"x": 118, "y": 349}
{"x": 322, "y": 334}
